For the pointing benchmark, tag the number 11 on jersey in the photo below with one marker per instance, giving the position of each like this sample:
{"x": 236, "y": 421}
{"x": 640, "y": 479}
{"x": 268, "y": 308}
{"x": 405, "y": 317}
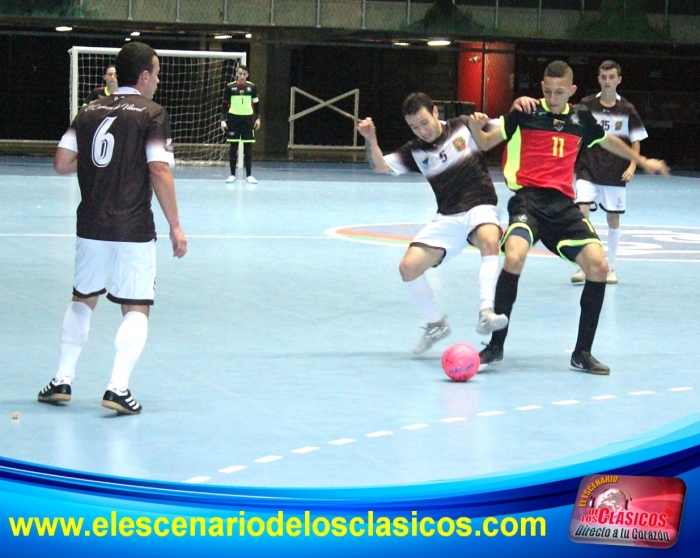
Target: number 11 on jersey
{"x": 558, "y": 147}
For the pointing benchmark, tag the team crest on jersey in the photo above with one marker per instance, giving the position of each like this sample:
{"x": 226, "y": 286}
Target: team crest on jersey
{"x": 618, "y": 125}
{"x": 575, "y": 119}
{"x": 460, "y": 144}
{"x": 558, "y": 125}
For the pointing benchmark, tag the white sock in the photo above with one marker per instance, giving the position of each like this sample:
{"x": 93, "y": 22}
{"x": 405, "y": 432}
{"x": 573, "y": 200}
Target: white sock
{"x": 488, "y": 277}
{"x": 128, "y": 345}
{"x": 613, "y": 243}
{"x": 422, "y": 294}
{"x": 74, "y": 334}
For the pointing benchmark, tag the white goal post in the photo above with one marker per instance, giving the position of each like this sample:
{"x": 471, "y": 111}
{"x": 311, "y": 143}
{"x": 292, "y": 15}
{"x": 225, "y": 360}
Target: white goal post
{"x": 191, "y": 88}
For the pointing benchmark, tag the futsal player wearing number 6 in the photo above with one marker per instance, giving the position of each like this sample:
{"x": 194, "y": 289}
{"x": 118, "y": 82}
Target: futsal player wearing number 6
{"x": 120, "y": 147}
{"x": 539, "y": 166}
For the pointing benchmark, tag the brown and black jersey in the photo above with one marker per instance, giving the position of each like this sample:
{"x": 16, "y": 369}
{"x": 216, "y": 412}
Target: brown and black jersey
{"x": 452, "y": 164}
{"x": 115, "y": 138}
{"x": 622, "y": 120}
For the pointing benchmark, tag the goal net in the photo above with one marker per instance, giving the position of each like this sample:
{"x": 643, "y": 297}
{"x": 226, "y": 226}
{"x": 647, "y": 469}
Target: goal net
{"x": 191, "y": 87}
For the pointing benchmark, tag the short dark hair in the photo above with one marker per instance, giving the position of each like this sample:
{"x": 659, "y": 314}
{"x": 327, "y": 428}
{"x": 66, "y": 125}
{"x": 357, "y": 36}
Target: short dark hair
{"x": 243, "y": 67}
{"x": 609, "y": 65}
{"x": 108, "y": 67}
{"x": 132, "y": 60}
{"x": 558, "y": 69}
{"x": 416, "y": 101}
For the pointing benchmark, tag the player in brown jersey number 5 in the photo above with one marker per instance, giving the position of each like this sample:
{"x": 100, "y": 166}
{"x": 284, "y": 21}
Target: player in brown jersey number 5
{"x": 445, "y": 153}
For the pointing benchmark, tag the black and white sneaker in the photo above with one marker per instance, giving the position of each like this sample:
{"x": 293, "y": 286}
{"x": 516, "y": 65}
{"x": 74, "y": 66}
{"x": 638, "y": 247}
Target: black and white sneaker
{"x": 586, "y": 362}
{"x": 55, "y": 392}
{"x": 122, "y": 403}
{"x": 490, "y": 355}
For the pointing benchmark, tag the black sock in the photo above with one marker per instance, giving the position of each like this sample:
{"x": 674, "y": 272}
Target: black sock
{"x": 506, "y": 293}
{"x": 248, "y": 158}
{"x": 233, "y": 157}
{"x": 591, "y": 304}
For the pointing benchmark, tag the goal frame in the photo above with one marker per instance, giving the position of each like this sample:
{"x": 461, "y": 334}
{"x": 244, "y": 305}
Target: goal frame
{"x": 75, "y": 52}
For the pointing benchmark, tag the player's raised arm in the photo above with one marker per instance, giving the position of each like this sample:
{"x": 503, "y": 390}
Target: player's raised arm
{"x": 618, "y": 147}
{"x": 525, "y": 104}
{"x": 484, "y": 140}
{"x": 375, "y": 158}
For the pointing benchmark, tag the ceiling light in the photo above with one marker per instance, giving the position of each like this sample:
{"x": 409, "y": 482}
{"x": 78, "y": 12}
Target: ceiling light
{"x": 127, "y": 39}
{"x": 438, "y": 42}
{"x": 248, "y": 35}
{"x": 64, "y": 28}
{"x": 401, "y": 43}
{"x": 222, "y": 37}
{"x": 135, "y": 33}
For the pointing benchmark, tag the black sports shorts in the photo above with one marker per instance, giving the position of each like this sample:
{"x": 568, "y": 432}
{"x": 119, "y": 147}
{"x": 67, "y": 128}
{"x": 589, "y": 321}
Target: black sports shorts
{"x": 548, "y": 215}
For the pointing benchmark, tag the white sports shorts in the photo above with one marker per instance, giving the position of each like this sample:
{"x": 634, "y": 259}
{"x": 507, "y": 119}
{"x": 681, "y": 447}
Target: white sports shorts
{"x": 132, "y": 265}
{"x": 451, "y": 232}
{"x": 612, "y": 199}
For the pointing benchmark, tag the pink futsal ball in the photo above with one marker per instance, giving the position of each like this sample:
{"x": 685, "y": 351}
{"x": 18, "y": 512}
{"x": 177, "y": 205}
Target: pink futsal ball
{"x": 460, "y": 361}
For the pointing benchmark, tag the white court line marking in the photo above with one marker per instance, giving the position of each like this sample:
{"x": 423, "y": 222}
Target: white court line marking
{"x": 268, "y": 459}
{"x": 197, "y": 480}
{"x": 255, "y": 237}
{"x": 232, "y": 469}
{"x": 341, "y": 441}
{"x": 378, "y": 433}
{"x": 415, "y": 426}
{"x": 306, "y": 449}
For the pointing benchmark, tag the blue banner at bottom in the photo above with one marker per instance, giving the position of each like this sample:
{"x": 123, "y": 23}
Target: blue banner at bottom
{"x": 528, "y": 512}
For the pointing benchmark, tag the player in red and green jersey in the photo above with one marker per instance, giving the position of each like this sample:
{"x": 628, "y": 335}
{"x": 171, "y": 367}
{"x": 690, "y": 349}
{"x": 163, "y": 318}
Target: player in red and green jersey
{"x": 538, "y": 164}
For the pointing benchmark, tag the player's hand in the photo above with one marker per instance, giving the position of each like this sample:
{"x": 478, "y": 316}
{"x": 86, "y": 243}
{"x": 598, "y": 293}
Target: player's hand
{"x": 656, "y": 166}
{"x": 177, "y": 237}
{"x": 628, "y": 175}
{"x": 256, "y": 125}
{"x": 224, "y": 127}
{"x": 525, "y": 104}
{"x": 367, "y": 129}
{"x": 479, "y": 119}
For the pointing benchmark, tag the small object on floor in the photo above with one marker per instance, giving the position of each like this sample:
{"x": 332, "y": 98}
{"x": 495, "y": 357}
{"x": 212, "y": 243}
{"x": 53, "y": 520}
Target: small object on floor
{"x": 460, "y": 361}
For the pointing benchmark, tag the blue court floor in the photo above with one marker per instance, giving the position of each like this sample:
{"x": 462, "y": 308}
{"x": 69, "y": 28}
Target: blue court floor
{"x": 279, "y": 347}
